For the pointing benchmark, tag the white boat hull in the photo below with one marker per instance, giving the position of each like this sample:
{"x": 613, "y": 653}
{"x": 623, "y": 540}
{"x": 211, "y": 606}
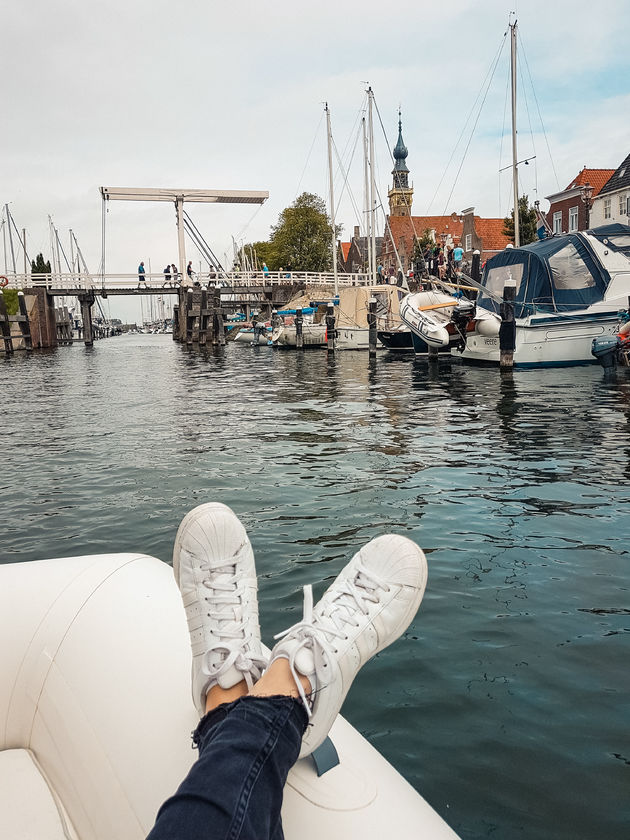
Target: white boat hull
{"x": 314, "y": 335}
{"x": 427, "y": 315}
{"x": 95, "y": 715}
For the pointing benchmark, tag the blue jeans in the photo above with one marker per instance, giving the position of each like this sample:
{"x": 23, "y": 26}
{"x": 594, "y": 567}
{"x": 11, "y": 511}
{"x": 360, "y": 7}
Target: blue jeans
{"x": 234, "y": 790}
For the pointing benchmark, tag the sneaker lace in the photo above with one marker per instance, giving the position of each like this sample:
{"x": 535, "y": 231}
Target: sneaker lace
{"x": 337, "y": 616}
{"x": 225, "y": 611}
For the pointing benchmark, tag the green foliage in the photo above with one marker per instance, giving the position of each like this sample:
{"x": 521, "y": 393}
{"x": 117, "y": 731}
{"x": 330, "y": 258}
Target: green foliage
{"x": 301, "y": 239}
{"x": 39, "y": 266}
{"x": 11, "y": 300}
{"x": 526, "y": 222}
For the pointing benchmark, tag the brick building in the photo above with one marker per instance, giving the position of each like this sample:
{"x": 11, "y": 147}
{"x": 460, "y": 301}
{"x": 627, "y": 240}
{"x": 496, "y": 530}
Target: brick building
{"x": 567, "y": 212}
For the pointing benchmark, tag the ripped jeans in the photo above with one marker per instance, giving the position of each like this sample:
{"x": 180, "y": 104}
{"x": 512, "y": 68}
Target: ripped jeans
{"x": 234, "y": 790}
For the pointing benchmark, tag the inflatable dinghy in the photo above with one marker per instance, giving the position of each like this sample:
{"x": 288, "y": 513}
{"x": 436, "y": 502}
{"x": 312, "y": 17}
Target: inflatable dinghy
{"x": 96, "y": 716}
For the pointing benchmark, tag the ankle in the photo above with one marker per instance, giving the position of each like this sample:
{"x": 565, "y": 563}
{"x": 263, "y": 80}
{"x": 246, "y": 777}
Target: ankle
{"x": 278, "y": 680}
{"x": 217, "y": 695}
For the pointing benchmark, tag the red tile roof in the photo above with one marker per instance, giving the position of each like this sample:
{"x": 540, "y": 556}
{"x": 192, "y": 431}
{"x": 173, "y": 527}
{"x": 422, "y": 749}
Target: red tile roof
{"x": 490, "y": 230}
{"x": 491, "y": 233}
{"x": 595, "y": 177}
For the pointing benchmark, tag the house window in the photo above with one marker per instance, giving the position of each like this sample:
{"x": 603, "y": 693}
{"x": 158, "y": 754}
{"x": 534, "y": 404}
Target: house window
{"x": 468, "y": 242}
{"x": 607, "y": 203}
{"x": 573, "y": 219}
{"x": 622, "y": 205}
{"x": 628, "y": 206}
{"x": 557, "y": 222}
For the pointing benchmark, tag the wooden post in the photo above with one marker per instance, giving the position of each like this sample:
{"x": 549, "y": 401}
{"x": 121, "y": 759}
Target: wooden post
{"x": 475, "y": 270}
{"x": 190, "y": 318}
{"x": 433, "y": 353}
{"x": 372, "y": 325}
{"x": 330, "y": 327}
{"x": 175, "y": 322}
{"x": 5, "y": 326}
{"x": 507, "y": 330}
{"x": 299, "y": 320}
{"x": 25, "y": 326}
{"x": 203, "y": 317}
{"x": 86, "y": 315}
{"x": 218, "y": 329}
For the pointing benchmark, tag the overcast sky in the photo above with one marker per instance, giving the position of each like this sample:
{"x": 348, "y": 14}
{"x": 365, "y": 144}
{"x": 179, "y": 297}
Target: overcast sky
{"x": 229, "y": 95}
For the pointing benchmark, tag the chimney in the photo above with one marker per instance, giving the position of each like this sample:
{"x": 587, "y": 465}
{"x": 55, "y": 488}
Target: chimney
{"x": 356, "y": 231}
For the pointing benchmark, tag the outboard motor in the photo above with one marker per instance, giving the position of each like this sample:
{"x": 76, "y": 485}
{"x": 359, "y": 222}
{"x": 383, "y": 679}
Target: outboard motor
{"x": 605, "y": 348}
{"x": 462, "y": 315}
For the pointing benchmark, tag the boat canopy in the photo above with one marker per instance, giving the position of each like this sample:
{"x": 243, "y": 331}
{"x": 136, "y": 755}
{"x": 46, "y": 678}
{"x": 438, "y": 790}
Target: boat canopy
{"x": 616, "y": 237}
{"x": 559, "y": 274}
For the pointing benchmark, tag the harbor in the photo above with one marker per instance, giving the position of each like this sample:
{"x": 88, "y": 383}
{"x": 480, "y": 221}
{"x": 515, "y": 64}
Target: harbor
{"x": 504, "y": 702}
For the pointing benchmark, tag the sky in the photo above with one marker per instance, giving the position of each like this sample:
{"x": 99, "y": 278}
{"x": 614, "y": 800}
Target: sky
{"x": 230, "y": 95}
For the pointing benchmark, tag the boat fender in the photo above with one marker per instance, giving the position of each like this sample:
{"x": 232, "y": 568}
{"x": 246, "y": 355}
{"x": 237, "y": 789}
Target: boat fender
{"x": 4, "y": 281}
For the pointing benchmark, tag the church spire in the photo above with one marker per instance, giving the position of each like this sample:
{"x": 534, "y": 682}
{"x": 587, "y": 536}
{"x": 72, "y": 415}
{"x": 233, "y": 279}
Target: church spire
{"x": 401, "y": 194}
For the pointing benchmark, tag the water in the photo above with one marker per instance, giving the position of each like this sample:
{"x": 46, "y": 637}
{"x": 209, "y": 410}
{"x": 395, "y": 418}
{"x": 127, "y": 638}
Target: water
{"x": 506, "y": 703}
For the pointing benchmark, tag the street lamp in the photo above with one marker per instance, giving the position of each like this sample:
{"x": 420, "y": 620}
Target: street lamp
{"x": 587, "y": 198}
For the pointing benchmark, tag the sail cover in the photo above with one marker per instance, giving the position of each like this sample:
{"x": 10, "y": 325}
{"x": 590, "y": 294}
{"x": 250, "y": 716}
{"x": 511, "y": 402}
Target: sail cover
{"x": 559, "y": 274}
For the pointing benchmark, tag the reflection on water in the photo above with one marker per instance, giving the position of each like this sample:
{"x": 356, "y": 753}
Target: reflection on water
{"x": 505, "y": 703}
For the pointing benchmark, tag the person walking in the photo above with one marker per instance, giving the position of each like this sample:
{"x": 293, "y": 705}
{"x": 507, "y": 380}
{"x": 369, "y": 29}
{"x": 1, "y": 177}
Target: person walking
{"x": 141, "y": 273}
{"x": 167, "y": 276}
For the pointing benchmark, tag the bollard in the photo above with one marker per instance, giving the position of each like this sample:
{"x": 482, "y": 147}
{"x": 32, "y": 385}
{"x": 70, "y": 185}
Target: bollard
{"x": 372, "y": 325}
{"x": 299, "y": 337}
{"x": 330, "y": 327}
{"x": 507, "y": 330}
{"x": 475, "y": 270}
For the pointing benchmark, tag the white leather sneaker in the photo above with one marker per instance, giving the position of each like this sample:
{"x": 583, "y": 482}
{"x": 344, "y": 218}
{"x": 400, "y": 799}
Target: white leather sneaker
{"x": 214, "y": 568}
{"x": 369, "y": 605}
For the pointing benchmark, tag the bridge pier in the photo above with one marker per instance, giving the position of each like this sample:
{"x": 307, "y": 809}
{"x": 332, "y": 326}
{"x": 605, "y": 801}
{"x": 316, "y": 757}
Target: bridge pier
{"x": 86, "y": 301}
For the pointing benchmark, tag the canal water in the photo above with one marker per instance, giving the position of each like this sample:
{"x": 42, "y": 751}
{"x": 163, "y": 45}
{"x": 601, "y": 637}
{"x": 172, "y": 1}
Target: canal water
{"x": 506, "y": 704}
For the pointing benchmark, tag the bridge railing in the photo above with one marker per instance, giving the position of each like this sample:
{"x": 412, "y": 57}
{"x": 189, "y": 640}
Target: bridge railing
{"x": 74, "y": 282}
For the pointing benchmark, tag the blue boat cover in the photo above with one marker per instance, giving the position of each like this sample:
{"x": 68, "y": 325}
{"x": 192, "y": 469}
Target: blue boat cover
{"x": 558, "y": 274}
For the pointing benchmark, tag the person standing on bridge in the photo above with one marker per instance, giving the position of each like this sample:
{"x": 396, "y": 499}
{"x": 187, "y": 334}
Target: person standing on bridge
{"x": 141, "y": 277}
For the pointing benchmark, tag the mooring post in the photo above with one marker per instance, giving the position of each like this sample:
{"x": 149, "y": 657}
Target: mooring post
{"x": 372, "y": 325}
{"x": 203, "y": 317}
{"x": 432, "y": 354}
{"x": 190, "y": 318}
{"x": 175, "y": 322}
{"x": 25, "y": 326}
{"x": 218, "y": 336}
{"x": 86, "y": 316}
{"x": 507, "y": 330}
{"x": 330, "y": 327}
{"x": 299, "y": 320}
{"x": 475, "y": 269}
{"x": 6, "y": 326}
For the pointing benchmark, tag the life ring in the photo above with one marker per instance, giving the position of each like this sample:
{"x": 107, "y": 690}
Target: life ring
{"x": 4, "y": 281}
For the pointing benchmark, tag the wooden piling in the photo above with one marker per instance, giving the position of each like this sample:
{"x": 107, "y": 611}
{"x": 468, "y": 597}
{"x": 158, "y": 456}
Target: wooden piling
{"x": 218, "y": 328}
{"x": 330, "y": 327}
{"x": 5, "y": 326}
{"x": 433, "y": 353}
{"x": 299, "y": 321}
{"x": 175, "y": 322}
{"x": 190, "y": 317}
{"x": 372, "y": 325}
{"x": 86, "y": 302}
{"x": 507, "y": 330}
{"x": 25, "y": 327}
{"x": 203, "y": 318}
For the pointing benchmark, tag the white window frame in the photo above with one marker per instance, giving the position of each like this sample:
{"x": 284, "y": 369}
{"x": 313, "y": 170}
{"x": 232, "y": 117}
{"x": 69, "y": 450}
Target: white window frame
{"x": 607, "y": 208}
{"x": 573, "y": 219}
{"x": 468, "y": 242}
{"x": 622, "y": 204}
{"x": 557, "y": 221}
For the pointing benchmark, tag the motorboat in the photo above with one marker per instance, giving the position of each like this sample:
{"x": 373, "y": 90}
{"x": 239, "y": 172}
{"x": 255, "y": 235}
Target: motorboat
{"x": 96, "y": 715}
{"x": 397, "y": 341}
{"x": 569, "y": 291}
{"x": 284, "y": 328}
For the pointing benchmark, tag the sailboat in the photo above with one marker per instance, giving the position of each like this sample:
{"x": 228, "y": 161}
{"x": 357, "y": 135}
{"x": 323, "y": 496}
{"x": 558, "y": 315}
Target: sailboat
{"x": 569, "y": 289}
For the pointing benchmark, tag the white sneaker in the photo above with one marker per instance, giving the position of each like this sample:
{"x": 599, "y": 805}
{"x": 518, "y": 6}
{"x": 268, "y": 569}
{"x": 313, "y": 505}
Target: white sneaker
{"x": 214, "y": 568}
{"x": 369, "y": 605}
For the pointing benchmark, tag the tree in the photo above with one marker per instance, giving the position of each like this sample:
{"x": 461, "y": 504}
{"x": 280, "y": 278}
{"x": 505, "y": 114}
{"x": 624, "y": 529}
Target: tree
{"x": 302, "y": 237}
{"x": 526, "y": 220}
{"x": 38, "y": 266}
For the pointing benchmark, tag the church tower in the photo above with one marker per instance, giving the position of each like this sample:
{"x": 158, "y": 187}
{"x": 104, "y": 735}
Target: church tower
{"x": 401, "y": 194}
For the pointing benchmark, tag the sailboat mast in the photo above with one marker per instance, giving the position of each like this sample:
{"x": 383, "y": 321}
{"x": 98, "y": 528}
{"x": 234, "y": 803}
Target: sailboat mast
{"x": 372, "y": 188}
{"x": 517, "y": 237}
{"x": 366, "y": 198}
{"x": 332, "y": 201}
